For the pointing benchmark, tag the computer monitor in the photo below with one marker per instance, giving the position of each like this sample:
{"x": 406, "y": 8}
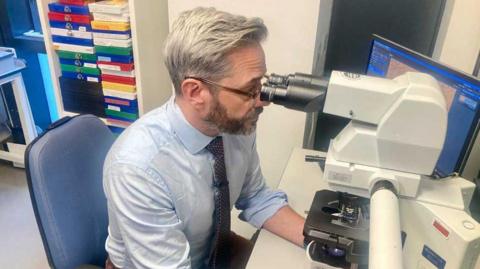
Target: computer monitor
{"x": 462, "y": 93}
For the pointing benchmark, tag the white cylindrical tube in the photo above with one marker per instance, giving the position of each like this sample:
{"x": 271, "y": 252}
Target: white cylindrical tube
{"x": 385, "y": 250}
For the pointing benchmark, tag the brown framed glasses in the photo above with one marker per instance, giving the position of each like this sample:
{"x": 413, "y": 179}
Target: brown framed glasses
{"x": 251, "y": 92}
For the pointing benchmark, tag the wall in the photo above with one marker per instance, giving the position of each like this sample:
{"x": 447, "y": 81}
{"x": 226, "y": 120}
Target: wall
{"x": 461, "y": 43}
{"x": 289, "y": 48}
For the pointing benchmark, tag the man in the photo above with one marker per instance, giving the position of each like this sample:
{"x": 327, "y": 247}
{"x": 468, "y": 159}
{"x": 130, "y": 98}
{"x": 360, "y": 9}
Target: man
{"x": 173, "y": 176}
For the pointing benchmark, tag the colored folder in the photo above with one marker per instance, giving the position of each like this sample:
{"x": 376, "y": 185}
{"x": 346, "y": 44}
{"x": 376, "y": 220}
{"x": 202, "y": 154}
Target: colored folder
{"x": 78, "y": 69}
{"x": 105, "y": 57}
{"x": 118, "y": 79}
{"x": 118, "y": 87}
{"x": 121, "y": 102}
{"x": 110, "y": 26}
{"x": 57, "y": 7}
{"x": 81, "y": 76}
{"x": 72, "y": 40}
{"x": 78, "y": 62}
{"x": 76, "y": 2}
{"x": 121, "y": 115}
{"x": 71, "y": 25}
{"x": 132, "y": 96}
{"x": 115, "y": 66}
{"x": 118, "y": 108}
{"x": 64, "y": 17}
{"x": 128, "y": 74}
{"x": 114, "y": 50}
{"x": 73, "y": 48}
{"x": 71, "y": 33}
{"x": 76, "y": 55}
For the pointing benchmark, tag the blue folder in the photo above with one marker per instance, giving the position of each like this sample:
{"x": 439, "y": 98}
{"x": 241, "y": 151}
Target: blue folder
{"x": 76, "y": 62}
{"x": 133, "y": 110}
{"x": 72, "y": 40}
{"x": 57, "y": 7}
{"x": 81, "y": 76}
{"x": 70, "y": 25}
{"x": 114, "y": 58}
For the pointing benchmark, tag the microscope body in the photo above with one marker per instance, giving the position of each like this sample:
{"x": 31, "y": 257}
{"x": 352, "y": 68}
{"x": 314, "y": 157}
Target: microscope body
{"x": 386, "y": 154}
{"x": 396, "y": 132}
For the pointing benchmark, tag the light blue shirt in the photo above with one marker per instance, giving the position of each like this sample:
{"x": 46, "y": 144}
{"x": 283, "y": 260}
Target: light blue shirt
{"x": 158, "y": 182}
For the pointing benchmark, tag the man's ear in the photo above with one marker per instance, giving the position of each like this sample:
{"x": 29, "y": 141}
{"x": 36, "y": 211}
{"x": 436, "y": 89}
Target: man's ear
{"x": 193, "y": 91}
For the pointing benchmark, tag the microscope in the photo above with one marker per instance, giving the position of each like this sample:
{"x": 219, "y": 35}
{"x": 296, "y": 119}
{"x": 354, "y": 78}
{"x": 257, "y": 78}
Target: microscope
{"x": 382, "y": 209}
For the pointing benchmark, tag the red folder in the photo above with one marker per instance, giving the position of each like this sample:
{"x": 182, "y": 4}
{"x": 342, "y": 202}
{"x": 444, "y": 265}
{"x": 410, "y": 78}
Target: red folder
{"x": 64, "y": 17}
{"x": 118, "y": 79}
{"x": 76, "y": 2}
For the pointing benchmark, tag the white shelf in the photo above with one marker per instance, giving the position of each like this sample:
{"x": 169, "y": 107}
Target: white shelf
{"x": 149, "y": 26}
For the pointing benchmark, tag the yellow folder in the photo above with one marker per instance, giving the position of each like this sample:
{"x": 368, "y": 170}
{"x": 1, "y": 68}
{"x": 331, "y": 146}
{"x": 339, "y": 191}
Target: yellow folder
{"x": 118, "y": 87}
{"x": 110, "y": 25}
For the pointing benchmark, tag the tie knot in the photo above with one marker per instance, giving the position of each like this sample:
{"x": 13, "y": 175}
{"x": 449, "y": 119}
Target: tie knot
{"x": 216, "y": 146}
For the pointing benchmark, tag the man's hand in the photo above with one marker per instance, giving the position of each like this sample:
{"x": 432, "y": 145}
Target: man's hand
{"x": 287, "y": 224}
{"x": 109, "y": 264}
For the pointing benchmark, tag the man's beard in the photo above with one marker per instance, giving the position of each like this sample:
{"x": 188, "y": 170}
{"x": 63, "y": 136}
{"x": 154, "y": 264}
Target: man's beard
{"x": 217, "y": 116}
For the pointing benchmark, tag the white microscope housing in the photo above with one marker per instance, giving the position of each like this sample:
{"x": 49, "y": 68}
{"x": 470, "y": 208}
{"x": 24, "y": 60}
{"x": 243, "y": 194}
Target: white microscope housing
{"x": 396, "y": 132}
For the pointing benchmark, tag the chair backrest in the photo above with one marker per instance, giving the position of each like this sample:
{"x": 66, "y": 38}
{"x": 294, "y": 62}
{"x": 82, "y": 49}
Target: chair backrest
{"x": 64, "y": 174}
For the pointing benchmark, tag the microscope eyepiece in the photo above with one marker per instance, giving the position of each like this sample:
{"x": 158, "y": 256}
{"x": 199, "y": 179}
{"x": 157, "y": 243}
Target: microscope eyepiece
{"x": 299, "y": 91}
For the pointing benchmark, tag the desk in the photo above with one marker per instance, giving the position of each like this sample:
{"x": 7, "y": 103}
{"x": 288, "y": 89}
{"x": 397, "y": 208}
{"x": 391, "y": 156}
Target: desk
{"x": 300, "y": 180}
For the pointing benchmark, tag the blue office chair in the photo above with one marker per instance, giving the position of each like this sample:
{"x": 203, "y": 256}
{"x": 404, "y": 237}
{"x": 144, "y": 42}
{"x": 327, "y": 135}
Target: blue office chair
{"x": 64, "y": 174}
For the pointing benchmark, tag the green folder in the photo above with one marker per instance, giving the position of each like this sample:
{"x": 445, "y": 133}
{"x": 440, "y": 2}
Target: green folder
{"x": 76, "y": 55}
{"x": 114, "y": 50}
{"x": 120, "y": 114}
{"x": 78, "y": 69}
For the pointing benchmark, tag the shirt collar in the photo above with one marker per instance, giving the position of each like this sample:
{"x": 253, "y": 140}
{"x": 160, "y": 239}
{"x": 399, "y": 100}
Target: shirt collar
{"x": 191, "y": 138}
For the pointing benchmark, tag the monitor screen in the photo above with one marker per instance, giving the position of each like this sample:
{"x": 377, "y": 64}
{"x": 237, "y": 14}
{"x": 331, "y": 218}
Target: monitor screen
{"x": 462, "y": 94}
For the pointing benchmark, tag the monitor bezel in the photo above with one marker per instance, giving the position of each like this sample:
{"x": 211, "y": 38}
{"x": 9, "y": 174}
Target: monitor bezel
{"x": 474, "y": 129}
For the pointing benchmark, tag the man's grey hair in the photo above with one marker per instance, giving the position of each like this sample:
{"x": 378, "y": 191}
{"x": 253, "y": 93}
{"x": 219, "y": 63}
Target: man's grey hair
{"x": 201, "y": 39}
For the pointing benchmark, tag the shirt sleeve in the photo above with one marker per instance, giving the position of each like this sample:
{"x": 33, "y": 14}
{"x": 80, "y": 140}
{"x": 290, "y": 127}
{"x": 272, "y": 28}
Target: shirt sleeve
{"x": 143, "y": 214}
{"x": 257, "y": 201}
